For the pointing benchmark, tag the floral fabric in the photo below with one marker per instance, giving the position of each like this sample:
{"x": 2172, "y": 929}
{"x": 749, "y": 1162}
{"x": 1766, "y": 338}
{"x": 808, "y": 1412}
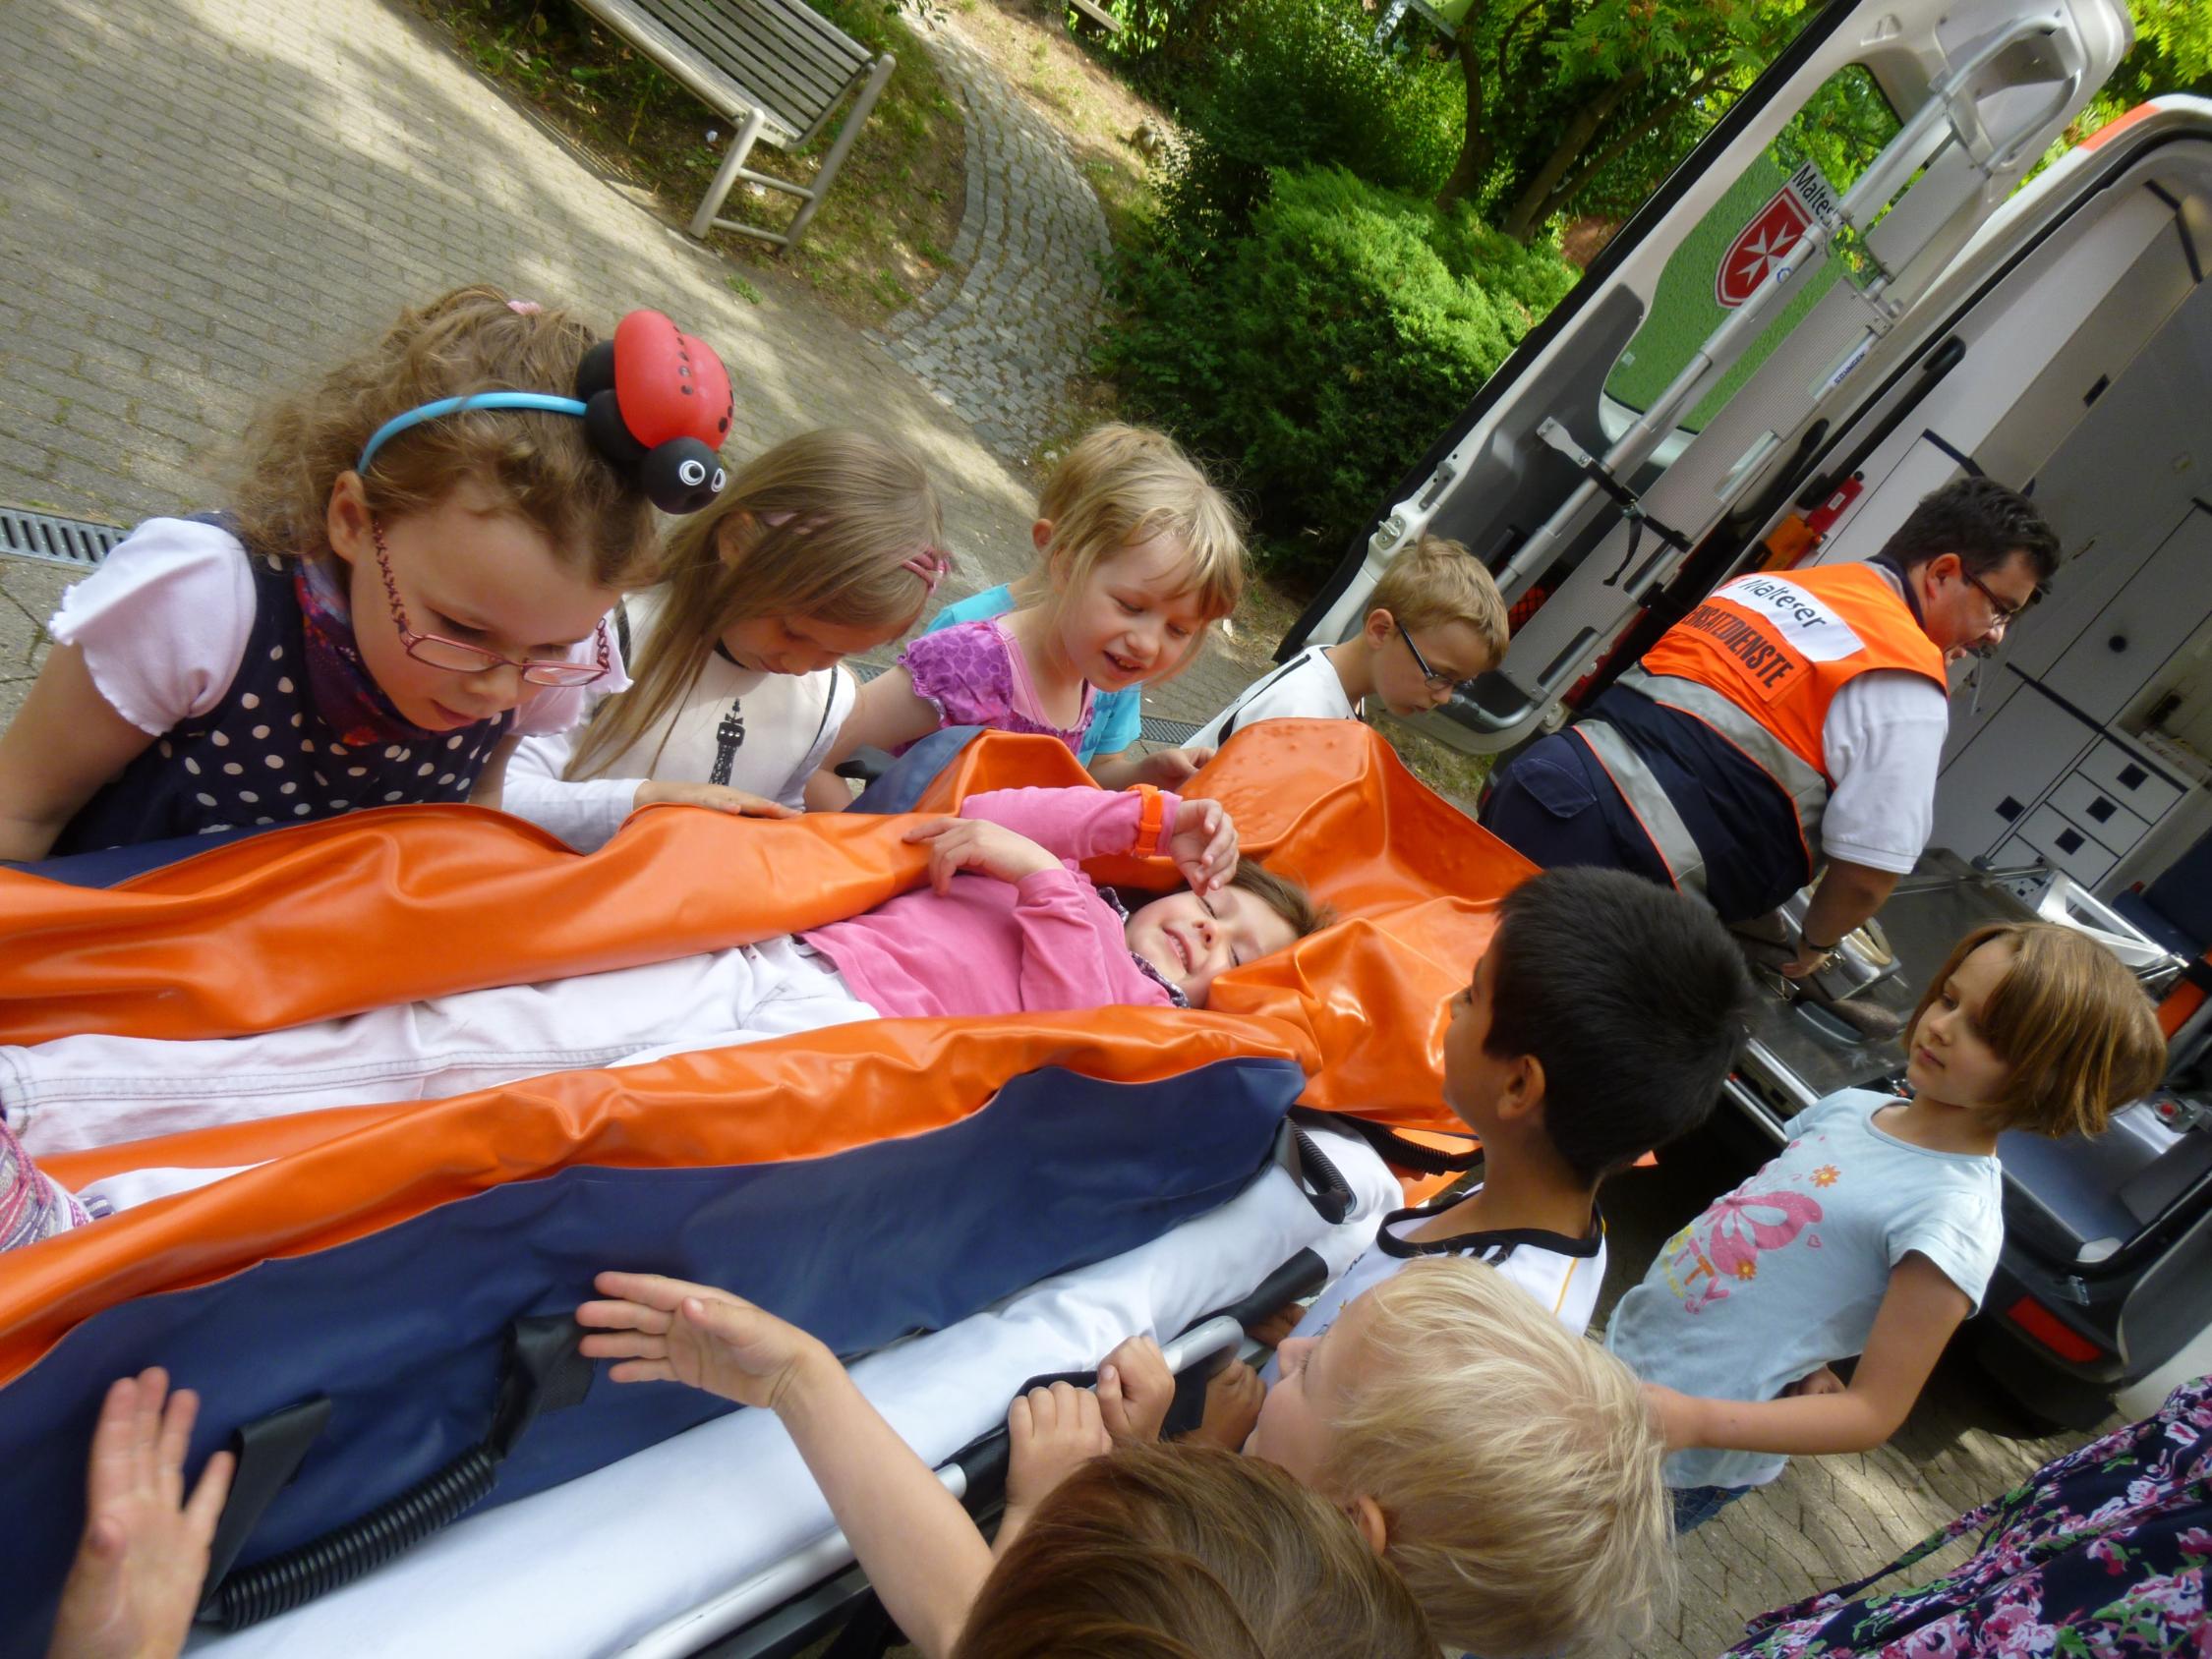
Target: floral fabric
{"x": 2098, "y": 1555}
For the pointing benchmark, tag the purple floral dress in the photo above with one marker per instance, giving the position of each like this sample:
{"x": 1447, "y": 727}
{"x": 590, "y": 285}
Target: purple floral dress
{"x": 2100, "y": 1553}
{"x": 975, "y": 674}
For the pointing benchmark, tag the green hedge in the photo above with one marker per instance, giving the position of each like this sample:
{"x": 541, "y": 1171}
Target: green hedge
{"x": 1320, "y": 354}
{"x": 1303, "y": 87}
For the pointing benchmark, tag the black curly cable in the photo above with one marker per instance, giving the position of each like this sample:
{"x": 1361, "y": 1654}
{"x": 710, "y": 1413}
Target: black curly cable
{"x": 345, "y": 1553}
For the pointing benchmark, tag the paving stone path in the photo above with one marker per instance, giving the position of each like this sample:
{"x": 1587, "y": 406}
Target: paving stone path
{"x": 998, "y": 344}
{"x": 204, "y": 200}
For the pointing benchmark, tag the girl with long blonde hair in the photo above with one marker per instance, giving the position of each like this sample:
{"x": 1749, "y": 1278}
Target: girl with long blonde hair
{"x": 820, "y": 547}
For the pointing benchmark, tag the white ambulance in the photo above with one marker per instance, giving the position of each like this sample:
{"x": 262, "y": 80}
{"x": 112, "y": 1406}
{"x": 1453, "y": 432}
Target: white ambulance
{"x": 1772, "y": 361}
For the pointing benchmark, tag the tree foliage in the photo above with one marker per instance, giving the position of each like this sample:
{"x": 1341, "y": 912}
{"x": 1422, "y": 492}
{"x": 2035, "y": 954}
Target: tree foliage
{"x": 1583, "y": 105}
{"x": 1321, "y": 351}
{"x": 2172, "y": 54}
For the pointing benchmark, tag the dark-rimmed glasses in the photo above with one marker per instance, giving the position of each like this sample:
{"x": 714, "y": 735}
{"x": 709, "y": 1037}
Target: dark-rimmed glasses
{"x": 457, "y": 657}
{"x": 1433, "y": 680}
{"x": 2007, "y": 614}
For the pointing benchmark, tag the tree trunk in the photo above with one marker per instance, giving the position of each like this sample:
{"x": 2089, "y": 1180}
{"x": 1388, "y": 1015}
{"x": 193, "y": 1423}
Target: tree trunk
{"x": 1533, "y": 205}
{"x": 1477, "y": 149}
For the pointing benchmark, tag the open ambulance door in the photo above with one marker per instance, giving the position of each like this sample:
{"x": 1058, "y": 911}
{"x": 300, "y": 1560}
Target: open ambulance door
{"x": 1688, "y": 382}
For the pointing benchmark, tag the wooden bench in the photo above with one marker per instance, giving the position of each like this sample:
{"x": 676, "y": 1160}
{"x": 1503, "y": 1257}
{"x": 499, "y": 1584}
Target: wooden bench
{"x": 777, "y": 68}
{"x": 1099, "y": 15}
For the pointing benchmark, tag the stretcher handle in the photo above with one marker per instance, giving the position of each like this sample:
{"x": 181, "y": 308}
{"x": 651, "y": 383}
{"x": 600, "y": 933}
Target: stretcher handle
{"x": 1218, "y": 1334}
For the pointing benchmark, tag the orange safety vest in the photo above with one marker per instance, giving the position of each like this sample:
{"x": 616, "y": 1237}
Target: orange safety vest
{"x": 1759, "y": 661}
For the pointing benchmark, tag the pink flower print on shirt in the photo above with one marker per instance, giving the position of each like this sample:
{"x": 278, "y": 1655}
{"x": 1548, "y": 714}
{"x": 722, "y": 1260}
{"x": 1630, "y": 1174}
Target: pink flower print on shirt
{"x": 1739, "y": 1227}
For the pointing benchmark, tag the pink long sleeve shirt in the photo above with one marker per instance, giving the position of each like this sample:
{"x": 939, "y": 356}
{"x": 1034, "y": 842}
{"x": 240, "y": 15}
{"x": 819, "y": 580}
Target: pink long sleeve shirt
{"x": 1050, "y": 941}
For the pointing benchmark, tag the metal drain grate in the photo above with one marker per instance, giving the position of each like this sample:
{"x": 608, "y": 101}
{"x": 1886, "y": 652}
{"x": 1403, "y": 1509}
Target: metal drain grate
{"x": 57, "y": 541}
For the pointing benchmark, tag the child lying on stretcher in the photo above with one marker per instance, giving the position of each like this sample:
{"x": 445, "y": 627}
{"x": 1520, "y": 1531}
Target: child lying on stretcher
{"x": 1023, "y": 931}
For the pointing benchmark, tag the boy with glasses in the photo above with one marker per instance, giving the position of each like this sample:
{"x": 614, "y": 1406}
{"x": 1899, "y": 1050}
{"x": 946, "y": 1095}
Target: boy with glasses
{"x": 1436, "y": 621}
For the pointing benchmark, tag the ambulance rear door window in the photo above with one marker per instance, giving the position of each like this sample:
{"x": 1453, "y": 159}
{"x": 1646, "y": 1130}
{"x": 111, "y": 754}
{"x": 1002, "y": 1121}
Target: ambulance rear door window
{"x": 1814, "y": 159}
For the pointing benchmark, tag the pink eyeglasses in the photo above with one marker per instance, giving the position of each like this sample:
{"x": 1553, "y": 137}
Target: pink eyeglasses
{"x": 461, "y": 659}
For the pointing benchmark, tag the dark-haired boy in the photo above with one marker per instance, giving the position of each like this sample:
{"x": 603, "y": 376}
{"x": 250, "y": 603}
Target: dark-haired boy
{"x": 1600, "y": 1024}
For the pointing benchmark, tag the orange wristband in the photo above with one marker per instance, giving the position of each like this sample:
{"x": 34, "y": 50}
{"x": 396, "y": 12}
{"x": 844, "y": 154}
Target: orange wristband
{"x": 1152, "y": 830}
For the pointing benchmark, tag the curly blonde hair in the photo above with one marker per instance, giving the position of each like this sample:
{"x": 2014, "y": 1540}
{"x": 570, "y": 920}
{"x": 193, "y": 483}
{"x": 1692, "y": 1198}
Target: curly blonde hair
{"x": 1517, "y": 1470}
{"x": 822, "y": 526}
{"x": 542, "y": 464}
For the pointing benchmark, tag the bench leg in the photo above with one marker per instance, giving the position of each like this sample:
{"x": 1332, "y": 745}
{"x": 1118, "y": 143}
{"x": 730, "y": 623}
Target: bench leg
{"x": 845, "y": 137}
{"x": 726, "y": 175}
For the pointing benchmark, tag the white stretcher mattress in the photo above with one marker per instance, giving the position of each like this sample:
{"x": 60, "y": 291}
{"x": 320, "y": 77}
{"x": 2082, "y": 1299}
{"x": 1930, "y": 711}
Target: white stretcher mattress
{"x": 634, "y": 1557}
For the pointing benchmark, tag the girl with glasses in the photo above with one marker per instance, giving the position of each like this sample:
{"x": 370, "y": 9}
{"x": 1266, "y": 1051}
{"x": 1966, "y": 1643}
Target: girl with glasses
{"x": 400, "y": 593}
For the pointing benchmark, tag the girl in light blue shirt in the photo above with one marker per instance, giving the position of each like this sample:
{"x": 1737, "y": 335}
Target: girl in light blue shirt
{"x": 1876, "y": 1228}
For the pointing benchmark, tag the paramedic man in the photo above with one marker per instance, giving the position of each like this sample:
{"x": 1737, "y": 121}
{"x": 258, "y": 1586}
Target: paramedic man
{"x": 1789, "y": 712}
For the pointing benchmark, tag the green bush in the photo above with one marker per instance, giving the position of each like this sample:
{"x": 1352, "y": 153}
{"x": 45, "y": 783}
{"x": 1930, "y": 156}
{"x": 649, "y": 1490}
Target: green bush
{"x": 1320, "y": 354}
{"x": 1303, "y": 87}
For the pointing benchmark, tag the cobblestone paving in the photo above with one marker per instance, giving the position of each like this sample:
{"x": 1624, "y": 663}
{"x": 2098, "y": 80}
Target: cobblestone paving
{"x": 202, "y": 201}
{"x": 999, "y": 343}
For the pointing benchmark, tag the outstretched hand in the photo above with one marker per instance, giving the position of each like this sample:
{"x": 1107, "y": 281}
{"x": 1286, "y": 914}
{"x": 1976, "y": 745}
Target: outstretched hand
{"x": 1203, "y": 845}
{"x": 667, "y": 1329}
{"x": 136, "y": 1581}
{"x": 738, "y": 803}
{"x": 1171, "y": 769}
{"x": 975, "y": 843}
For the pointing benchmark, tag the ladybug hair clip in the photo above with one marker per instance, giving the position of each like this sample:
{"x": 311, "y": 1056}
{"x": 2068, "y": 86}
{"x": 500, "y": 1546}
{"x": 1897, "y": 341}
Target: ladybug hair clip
{"x": 656, "y": 403}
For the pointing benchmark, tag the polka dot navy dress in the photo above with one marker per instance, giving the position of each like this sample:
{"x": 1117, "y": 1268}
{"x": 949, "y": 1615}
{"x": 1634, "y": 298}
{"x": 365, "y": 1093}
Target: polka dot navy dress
{"x": 265, "y": 755}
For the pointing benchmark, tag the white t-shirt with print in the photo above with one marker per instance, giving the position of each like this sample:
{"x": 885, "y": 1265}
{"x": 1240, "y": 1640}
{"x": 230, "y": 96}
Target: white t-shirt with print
{"x": 1784, "y": 1274}
{"x": 163, "y": 622}
{"x": 775, "y": 729}
{"x": 1307, "y": 687}
{"x": 1561, "y": 1273}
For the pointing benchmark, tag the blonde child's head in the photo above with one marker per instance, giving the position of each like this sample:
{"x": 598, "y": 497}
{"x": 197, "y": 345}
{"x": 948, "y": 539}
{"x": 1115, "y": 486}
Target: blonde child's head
{"x": 1506, "y": 1467}
{"x": 819, "y": 547}
{"x": 1189, "y": 1553}
{"x": 2040, "y": 1025}
{"x": 1436, "y": 618}
{"x": 1127, "y": 522}
{"x": 537, "y": 465}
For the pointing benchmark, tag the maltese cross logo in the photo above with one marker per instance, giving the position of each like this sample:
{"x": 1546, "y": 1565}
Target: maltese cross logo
{"x": 1759, "y": 246}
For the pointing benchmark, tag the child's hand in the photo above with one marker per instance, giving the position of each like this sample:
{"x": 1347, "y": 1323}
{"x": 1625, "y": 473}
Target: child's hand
{"x": 1203, "y": 845}
{"x": 721, "y": 797}
{"x": 1271, "y": 1331}
{"x": 1171, "y": 769}
{"x": 1233, "y": 1396}
{"x": 972, "y": 843}
{"x": 1135, "y": 1388}
{"x": 664, "y": 1330}
{"x": 136, "y": 1582}
{"x": 1822, "y": 1381}
{"x": 1050, "y": 1434}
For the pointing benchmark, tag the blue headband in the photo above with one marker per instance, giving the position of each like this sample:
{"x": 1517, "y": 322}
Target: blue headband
{"x": 398, "y": 423}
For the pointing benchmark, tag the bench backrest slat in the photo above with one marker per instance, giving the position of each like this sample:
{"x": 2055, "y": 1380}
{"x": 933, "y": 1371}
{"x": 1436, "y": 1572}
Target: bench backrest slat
{"x": 786, "y": 54}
